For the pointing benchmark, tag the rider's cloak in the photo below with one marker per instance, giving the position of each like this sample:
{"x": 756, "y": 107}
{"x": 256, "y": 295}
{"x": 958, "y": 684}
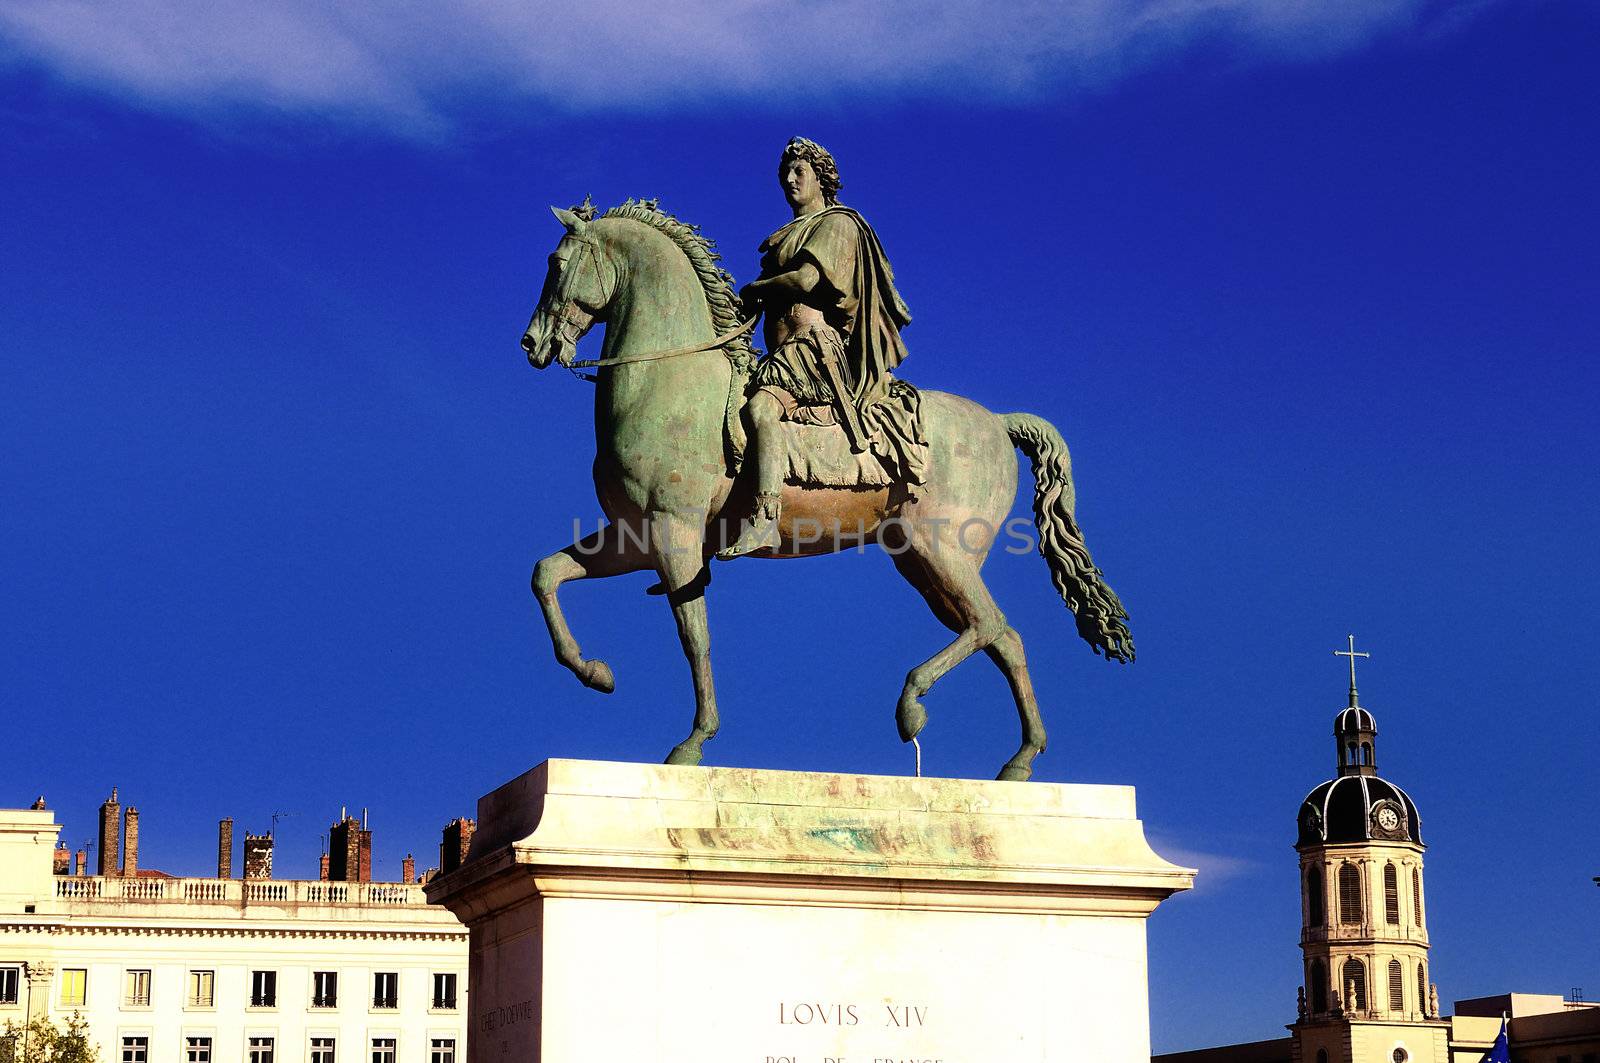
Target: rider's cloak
{"x": 858, "y": 299}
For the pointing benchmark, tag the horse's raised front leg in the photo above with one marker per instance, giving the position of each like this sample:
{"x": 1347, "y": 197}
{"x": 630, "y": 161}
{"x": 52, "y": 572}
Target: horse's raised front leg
{"x": 611, "y": 551}
{"x": 679, "y": 544}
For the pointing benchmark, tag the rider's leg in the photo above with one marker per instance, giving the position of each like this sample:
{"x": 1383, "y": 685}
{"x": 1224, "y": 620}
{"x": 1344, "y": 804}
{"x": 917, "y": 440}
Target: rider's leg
{"x": 764, "y": 412}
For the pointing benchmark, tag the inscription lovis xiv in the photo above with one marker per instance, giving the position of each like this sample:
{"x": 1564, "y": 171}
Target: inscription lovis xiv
{"x": 885, "y": 1015}
{"x": 902, "y": 1016}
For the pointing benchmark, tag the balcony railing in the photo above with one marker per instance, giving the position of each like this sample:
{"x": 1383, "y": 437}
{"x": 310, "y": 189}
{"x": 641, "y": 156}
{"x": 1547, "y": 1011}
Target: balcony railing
{"x": 239, "y": 891}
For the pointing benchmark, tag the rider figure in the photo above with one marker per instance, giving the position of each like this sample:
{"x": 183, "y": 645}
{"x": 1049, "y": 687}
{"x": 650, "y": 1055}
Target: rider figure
{"x": 833, "y": 321}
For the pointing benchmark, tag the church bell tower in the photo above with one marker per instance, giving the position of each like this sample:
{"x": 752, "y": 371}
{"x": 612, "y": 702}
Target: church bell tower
{"x": 1364, "y": 935}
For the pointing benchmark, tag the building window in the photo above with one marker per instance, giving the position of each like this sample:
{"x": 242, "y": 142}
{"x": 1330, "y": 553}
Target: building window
{"x": 260, "y": 1050}
{"x": 442, "y": 1050}
{"x": 1397, "y": 982}
{"x": 10, "y": 977}
{"x": 385, "y": 989}
{"x": 325, "y": 989}
{"x": 202, "y": 989}
{"x": 1349, "y": 895}
{"x": 1422, "y": 989}
{"x": 138, "y": 995}
{"x": 1354, "y": 977}
{"x": 1416, "y": 895}
{"x": 383, "y": 1050}
{"x": 136, "y": 1050}
{"x": 1315, "y": 907}
{"x": 1391, "y": 895}
{"x": 264, "y": 991}
{"x": 1319, "y": 988}
{"x": 1322, "y": 1055}
{"x": 74, "y": 987}
{"x": 197, "y": 1050}
{"x": 322, "y": 1050}
{"x": 444, "y": 991}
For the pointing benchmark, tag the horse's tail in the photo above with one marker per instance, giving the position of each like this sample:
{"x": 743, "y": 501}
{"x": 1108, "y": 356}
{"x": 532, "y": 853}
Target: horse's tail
{"x": 1102, "y": 622}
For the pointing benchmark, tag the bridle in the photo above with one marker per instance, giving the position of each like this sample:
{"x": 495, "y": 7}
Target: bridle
{"x": 572, "y": 322}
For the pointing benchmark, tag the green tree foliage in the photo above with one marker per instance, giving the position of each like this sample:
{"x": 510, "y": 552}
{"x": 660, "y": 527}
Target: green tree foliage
{"x": 42, "y": 1041}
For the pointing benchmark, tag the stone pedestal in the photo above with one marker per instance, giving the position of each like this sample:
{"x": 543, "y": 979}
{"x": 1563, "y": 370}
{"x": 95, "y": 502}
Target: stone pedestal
{"x": 717, "y": 915}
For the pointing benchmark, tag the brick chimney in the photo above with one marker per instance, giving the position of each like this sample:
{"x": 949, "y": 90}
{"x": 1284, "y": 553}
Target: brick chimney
{"x": 109, "y": 859}
{"x": 82, "y": 863}
{"x": 408, "y": 869}
{"x": 130, "y": 843}
{"x": 224, "y": 849}
{"x": 457, "y": 840}
{"x": 63, "y": 859}
{"x": 349, "y": 851}
{"x": 257, "y": 855}
{"x": 322, "y": 868}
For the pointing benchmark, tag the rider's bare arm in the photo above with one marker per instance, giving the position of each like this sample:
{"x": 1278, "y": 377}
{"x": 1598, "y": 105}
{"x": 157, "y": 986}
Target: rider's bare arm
{"x": 794, "y": 283}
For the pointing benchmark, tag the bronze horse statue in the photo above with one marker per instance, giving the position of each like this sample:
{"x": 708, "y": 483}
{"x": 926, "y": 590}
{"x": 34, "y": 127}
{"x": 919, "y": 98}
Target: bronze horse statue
{"x": 670, "y": 381}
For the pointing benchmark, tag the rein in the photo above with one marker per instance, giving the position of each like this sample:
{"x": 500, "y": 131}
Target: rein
{"x": 652, "y": 356}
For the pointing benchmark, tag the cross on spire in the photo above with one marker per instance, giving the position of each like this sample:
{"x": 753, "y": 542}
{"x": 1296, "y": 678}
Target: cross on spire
{"x": 1352, "y": 653}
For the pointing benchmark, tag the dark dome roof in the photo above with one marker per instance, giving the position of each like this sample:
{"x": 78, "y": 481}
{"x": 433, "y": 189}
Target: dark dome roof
{"x": 1354, "y": 719}
{"x": 1348, "y": 809}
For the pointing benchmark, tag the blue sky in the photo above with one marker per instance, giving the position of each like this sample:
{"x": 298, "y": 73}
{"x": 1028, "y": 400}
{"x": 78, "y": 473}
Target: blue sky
{"x": 1311, "y": 296}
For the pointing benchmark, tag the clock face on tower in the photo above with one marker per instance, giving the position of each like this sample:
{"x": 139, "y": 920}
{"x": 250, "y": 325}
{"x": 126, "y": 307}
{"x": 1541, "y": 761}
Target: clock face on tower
{"x": 1388, "y": 820}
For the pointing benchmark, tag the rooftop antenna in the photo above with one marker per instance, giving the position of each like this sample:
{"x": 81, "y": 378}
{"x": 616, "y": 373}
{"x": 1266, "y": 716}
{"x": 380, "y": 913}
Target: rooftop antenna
{"x": 277, "y": 816}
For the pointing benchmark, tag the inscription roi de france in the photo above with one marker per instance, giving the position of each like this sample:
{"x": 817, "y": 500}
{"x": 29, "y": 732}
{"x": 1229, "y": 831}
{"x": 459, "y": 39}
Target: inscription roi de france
{"x": 903, "y": 1016}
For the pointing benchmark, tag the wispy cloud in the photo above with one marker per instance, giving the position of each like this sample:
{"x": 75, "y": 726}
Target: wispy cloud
{"x": 1216, "y": 869}
{"x": 413, "y": 65}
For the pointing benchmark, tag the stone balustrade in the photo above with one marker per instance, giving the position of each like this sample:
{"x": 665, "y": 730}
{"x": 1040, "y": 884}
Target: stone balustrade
{"x": 100, "y": 889}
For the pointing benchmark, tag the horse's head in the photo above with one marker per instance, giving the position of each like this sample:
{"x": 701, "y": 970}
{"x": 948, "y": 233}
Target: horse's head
{"x": 577, "y": 289}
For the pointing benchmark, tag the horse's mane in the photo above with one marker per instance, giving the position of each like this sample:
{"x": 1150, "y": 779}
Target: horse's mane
{"x": 700, "y": 250}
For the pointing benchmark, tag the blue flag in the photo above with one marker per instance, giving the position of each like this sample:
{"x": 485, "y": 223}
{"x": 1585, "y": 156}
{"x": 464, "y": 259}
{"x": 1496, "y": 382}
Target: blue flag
{"x": 1500, "y": 1051}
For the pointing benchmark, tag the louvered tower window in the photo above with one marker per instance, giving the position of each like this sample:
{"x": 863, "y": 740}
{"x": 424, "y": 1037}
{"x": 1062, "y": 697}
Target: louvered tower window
{"x": 1422, "y": 989}
{"x": 1397, "y": 981}
{"x": 1319, "y": 988}
{"x": 1349, "y": 894}
{"x": 1316, "y": 914}
{"x": 1391, "y": 895}
{"x": 1416, "y": 895}
{"x": 1354, "y": 977}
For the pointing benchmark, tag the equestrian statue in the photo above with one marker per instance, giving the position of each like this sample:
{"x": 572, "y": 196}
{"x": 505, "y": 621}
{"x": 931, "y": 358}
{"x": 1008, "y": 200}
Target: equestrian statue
{"x": 706, "y": 450}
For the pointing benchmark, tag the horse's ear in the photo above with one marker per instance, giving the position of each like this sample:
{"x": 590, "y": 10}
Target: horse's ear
{"x": 573, "y": 223}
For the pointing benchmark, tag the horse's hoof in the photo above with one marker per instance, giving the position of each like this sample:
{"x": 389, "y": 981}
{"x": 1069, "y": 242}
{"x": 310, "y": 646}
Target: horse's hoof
{"x": 596, "y": 675}
{"x": 1015, "y": 773}
{"x": 910, "y": 717}
{"x": 684, "y": 753}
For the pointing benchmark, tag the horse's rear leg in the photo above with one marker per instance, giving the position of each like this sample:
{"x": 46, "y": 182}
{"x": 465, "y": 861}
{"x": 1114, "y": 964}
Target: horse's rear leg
{"x": 611, "y": 551}
{"x": 679, "y": 545}
{"x": 1007, "y": 654}
{"x": 948, "y": 577}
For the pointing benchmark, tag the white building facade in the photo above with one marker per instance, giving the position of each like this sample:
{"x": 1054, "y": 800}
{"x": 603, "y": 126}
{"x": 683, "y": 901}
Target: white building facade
{"x": 203, "y": 970}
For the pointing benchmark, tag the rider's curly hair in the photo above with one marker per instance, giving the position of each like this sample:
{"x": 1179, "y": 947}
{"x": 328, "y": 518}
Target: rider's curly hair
{"x": 821, "y": 161}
